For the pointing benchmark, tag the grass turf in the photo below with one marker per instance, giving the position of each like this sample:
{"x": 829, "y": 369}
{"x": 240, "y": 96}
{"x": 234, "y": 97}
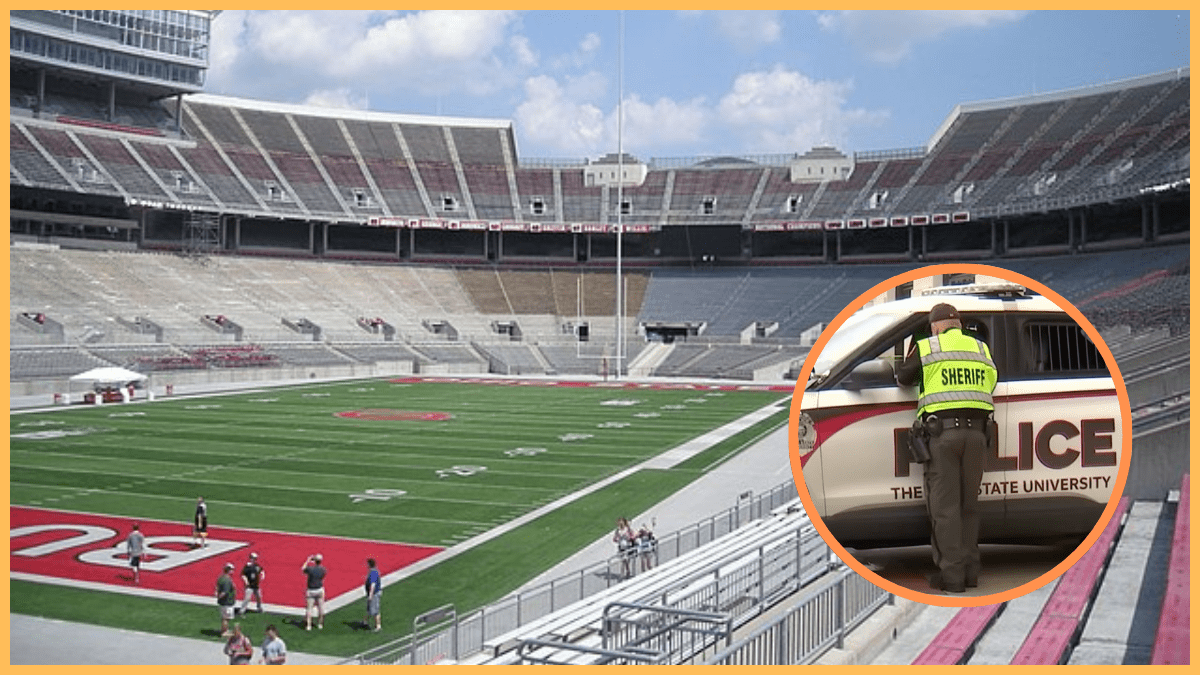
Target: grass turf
{"x": 305, "y": 461}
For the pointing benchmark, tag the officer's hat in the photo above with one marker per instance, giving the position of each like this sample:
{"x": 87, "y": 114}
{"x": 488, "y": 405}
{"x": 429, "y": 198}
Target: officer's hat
{"x": 942, "y": 312}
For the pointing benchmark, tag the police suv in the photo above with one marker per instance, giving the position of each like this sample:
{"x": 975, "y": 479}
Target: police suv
{"x": 1051, "y": 468}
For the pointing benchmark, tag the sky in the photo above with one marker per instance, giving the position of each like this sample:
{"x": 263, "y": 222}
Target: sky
{"x": 693, "y": 83}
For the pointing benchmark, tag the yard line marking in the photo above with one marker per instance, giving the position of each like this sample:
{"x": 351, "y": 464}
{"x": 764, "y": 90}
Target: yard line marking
{"x": 387, "y": 516}
{"x": 713, "y": 438}
{"x": 341, "y": 492}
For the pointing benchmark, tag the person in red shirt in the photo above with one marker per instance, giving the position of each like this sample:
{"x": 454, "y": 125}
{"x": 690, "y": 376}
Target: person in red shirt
{"x": 238, "y": 648}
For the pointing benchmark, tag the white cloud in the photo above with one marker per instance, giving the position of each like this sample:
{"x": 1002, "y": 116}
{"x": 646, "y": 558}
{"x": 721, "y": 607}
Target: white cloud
{"x": 763, "y": 112}
{"x": 663, "y": 123}
{"x": 583, "y": 54}
{"x": 224, "y": 46}
{"x": 524, "y": 51}
{"x": 889, "y": 36}
{"x": 433, "y": 52}
{"x": 590, "y": 43}
{"x": 782, "y": 110}
{"x": 747, "y": 30}
{"x": 550, "y": 117}
{"x": 564, "y": 118}
{"x": 337, "y": 98}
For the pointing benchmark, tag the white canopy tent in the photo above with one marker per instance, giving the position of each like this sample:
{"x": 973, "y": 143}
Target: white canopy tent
{"x": 109, "y": 377}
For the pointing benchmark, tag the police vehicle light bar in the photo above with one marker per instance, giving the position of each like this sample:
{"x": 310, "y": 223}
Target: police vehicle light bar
{"x": 996, "y": 289}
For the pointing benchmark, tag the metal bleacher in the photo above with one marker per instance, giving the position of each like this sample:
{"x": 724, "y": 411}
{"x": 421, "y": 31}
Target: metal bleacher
{"x": 729, "y": 576}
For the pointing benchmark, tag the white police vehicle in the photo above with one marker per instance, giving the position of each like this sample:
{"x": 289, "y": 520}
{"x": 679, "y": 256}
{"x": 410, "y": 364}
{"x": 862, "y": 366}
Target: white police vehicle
{"x": 1048, "y": 475}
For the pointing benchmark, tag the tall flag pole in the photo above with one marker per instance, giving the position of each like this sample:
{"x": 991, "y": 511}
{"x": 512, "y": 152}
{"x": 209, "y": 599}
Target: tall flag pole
{"x": 620, "y": 318}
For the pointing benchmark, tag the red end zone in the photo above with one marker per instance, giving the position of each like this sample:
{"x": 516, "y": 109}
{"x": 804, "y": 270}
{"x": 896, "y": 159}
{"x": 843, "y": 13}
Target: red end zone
{"x": 71, "y": 547}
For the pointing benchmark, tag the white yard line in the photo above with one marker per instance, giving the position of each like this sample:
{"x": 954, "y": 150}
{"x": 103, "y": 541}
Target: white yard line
{"x": 663, "y": 461}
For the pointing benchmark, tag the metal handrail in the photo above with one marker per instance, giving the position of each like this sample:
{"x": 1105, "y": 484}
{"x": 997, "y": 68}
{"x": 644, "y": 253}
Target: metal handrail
{"x": 474, "y": 629}
{"x": 817, "y": 623}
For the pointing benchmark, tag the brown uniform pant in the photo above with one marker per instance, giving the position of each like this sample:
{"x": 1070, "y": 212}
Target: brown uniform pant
{"x": 952, "y": 480}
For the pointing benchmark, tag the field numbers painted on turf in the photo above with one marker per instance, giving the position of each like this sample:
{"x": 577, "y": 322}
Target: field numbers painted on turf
{"x": 79, "y": 535}
{"x": 567, "y": 438}
{"x": 524, "y": 452}
{"x": 162, "y": 553}
{"x": 461, "y": 470}
{"x": 648, "y": 414}
{"x": 612, "y": 425}
{"x": 57, "y": 433}
{"x": 377, "y": 494}
{"x": 674, "y": 407}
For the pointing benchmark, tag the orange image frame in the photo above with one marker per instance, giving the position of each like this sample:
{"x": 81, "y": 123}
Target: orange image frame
{"x": 1126, "y": 435}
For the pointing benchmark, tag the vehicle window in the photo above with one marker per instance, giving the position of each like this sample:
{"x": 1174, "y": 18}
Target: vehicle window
{"x": 850, "y": 337}
{"x": 974, "y": 326}
{"x": 895, "y": 343}
{"x": 1059, "y": 348}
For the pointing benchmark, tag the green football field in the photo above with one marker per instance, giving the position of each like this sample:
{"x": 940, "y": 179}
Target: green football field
{"x": 432, "y": 463}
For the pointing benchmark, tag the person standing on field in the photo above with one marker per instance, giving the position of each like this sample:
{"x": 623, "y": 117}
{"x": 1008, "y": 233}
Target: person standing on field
{"x": 134, "y": 546}
{"x": 226, "y": 597}
{"x": 374, "y": 589}
{"x": 314, "y": 594}
{"x": 200, "y": 524}
{"x": 252, "y": 576}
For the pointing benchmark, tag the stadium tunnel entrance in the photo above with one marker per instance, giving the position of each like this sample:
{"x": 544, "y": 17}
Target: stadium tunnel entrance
{"x": 670, "y": 331}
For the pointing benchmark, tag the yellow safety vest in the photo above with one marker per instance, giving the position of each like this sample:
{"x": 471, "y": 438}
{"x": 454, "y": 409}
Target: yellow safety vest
{"x": 957, "y": 372}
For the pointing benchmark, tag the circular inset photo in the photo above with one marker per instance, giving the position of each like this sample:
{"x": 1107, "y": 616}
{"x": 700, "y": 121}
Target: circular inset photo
{"x": 960, "y": 435}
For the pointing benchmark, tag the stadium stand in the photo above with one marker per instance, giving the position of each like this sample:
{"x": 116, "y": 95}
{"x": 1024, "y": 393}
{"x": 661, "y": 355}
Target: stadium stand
{"x": 95, "y": 297}
{"x": 56, "y": 362}
{"x": 1173, "y": 638}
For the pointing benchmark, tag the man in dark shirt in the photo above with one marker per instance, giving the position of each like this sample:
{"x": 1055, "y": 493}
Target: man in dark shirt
{"x": 200, "y": 524}
{"x": 226, "y": 597}
{"x": 252, "y": 576}
{"x": 314, "y": 594}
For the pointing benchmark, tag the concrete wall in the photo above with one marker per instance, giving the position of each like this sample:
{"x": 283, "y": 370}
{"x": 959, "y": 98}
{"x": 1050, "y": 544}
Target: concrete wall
{"x": 454, "y": 368}
{"x": 158, "y": 382}
{"x": 1158, "y": 461}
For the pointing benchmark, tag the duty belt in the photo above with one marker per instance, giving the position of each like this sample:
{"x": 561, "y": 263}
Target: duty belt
{"x": 958, "y": 421}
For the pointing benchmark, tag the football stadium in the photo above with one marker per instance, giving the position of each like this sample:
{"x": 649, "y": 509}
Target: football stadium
{"x": 377, "y": 335}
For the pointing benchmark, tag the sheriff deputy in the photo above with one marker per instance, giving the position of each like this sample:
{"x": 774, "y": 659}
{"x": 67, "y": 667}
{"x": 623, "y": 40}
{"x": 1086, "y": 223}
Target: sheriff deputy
{"x": 956, "y": 377}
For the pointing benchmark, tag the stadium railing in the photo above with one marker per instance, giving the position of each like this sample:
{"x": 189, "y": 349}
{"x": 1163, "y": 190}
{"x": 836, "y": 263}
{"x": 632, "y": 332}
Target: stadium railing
{"x": 738, "y": 577}
{"x": 818, "y": 622}
{"x": 534, "y": 603}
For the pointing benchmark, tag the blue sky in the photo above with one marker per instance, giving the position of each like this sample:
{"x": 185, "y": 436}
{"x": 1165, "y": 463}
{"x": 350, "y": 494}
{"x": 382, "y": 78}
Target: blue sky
{"x": 695, "y": 82}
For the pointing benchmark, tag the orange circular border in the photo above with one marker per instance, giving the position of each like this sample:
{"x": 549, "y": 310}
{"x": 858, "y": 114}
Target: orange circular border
{"x": 1126, "y": 436}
